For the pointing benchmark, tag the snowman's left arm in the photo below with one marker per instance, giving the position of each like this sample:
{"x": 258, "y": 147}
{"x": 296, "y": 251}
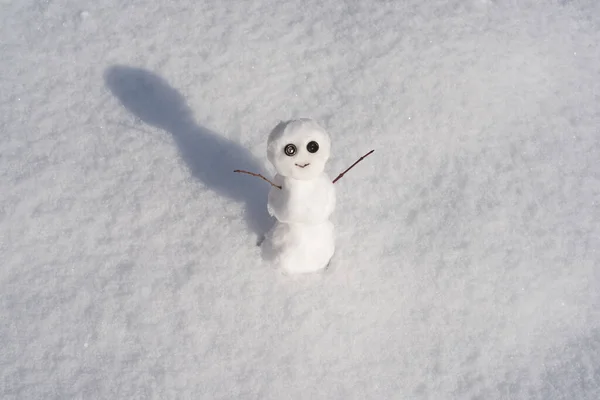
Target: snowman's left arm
{"x": 350, "y": 167}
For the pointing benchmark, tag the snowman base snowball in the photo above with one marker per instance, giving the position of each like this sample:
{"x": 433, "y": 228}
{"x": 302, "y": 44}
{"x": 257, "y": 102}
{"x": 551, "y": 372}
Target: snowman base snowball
{"x": 300, "y": 248}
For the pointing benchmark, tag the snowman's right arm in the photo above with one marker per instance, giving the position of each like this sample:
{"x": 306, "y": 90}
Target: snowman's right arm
{"x": 257, "y": 175}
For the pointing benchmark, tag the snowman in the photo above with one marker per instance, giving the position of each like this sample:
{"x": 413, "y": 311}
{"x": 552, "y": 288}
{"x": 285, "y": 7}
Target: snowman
{"x": 302, "y": 197}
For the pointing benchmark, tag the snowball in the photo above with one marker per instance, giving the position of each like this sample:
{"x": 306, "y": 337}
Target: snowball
{"x": 299, "y": 149}
{"x": 300, "y": 248}
{"x": 302, "y": 201}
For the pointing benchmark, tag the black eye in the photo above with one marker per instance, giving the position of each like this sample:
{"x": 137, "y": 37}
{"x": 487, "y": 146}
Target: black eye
{"x": 290, "y": 150}
{"x": 312, "y": 147}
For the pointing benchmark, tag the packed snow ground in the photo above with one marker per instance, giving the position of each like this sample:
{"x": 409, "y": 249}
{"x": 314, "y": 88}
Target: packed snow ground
{"x": 468, "y": 244}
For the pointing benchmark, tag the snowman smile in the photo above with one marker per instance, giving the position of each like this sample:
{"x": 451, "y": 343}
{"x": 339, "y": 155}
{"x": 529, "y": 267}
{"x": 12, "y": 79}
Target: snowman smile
{"x": 302, "y": 166}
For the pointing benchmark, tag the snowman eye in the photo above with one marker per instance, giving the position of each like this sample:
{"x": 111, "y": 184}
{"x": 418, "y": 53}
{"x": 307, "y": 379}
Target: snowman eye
{"x": 290, "y": 150}
{"x": 312, "y": 147}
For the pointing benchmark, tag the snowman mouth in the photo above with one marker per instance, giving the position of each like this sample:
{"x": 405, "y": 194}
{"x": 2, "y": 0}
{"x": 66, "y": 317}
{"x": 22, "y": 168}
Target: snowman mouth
{"x": 303, "y": 166}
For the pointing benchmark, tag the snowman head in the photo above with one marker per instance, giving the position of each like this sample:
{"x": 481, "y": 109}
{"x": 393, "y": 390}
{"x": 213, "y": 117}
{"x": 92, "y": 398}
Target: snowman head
{"x": 299, "y": 148}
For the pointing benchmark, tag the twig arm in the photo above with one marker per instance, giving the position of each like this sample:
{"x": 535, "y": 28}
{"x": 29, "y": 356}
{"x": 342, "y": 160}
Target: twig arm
{"x": 257, "y": 175}
{"x": 350, "y": 167}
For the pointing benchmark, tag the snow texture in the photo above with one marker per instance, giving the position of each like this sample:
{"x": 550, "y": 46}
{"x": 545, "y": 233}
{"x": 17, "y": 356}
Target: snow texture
{"x": 467, "y": 246}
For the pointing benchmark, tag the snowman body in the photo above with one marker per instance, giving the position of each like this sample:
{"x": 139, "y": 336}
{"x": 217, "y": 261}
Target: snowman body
{"x": 302, "y": 240}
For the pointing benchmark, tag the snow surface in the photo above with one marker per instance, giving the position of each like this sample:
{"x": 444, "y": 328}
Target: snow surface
{"x": 467, "y": 254}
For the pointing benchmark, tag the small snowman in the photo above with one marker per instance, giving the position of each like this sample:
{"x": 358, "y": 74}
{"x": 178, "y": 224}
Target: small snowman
{"x": 302, "y": 197}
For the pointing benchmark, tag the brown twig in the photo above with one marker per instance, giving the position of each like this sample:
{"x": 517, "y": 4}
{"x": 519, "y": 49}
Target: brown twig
{"x": 349, "y": 168}
{"x": 258, "y": 175}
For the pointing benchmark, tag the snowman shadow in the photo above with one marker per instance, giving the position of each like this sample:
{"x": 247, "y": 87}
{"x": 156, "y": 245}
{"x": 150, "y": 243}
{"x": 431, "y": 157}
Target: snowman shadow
{"x": 210, "y": 157}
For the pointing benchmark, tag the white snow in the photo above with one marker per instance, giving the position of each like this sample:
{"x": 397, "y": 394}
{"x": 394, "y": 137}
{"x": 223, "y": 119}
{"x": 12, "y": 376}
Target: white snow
{"x": 467, "y": 260}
